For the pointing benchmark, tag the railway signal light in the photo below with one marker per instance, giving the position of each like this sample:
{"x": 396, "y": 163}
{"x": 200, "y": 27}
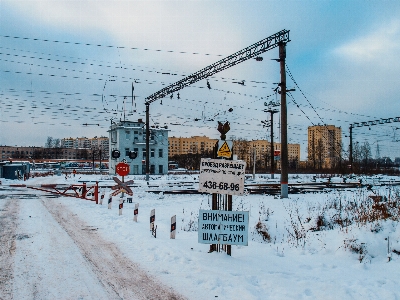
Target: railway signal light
{"x": 132, "y": 154}
{"x": 115, "y": 154}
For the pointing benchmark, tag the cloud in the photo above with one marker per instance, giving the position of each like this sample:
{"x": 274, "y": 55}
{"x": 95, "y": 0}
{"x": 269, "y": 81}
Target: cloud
{"x": 361, "y": 76}
{"x": 377, "y": 47}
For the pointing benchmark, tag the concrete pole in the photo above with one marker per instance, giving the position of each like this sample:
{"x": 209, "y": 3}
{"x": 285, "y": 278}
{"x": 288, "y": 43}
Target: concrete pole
{"x": 284, "y": 146}
{"x": 351, "y": 148}
{"x": 272, "y": 145}
{"x": 254, "y": 162}
{"x": 147, "y": 141}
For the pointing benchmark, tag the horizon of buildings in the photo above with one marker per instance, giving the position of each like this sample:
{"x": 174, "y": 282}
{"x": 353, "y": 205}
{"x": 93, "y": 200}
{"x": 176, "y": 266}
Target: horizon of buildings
{"x": 324, "y": 148}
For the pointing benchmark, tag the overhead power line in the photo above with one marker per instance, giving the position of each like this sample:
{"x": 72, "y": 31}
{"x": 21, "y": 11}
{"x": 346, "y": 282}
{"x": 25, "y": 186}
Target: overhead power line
{"x": 105, "y": 46}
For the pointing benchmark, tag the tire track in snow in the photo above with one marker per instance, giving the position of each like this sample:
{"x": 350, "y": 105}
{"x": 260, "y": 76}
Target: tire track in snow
{"x": 122, "y": 278}
{"x": 8, "y": 228}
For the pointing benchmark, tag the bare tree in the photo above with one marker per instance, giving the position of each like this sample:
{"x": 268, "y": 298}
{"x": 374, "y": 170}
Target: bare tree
{"x": 49, "y": 142}
{"x": 365, "y": 153}
{"x": 319, "y": 151}
{"x": 312, "y": 153}
{"x": 241, "y": 148}
{"x": 57, "y": 143}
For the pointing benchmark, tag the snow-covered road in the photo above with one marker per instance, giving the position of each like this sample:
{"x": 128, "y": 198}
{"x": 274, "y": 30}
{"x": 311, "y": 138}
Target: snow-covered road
{"x": 55, "y": 255}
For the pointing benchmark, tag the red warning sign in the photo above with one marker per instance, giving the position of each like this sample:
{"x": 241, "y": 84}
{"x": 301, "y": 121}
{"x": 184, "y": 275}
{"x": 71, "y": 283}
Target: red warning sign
{"x": 122, "y": 169}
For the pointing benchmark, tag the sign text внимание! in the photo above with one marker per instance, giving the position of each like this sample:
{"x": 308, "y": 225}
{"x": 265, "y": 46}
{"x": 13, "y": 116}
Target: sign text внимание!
{"x": 223, "y": 227}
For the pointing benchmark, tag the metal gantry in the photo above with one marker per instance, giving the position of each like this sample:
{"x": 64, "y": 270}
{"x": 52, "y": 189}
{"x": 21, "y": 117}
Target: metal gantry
{"x": 362, "y": 124}
{"x": 254, "y": 50}
{"x": 279, "y": 39}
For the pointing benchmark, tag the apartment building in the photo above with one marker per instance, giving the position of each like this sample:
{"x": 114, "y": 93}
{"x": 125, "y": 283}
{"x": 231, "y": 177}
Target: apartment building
{"x": 194, "y": 144}
{"x": 324, "y": 146}
{"x": 95, "y": 144}
{"x": 38, "y": 153}
{"x": 243, "y": 149}
{"x": 13, "y": 152}
{"x": 261, "y": 149}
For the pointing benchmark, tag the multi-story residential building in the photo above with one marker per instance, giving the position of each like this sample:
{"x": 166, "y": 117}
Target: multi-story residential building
{"x": 67, "y": 143}
{"x": 99, "y": 145}
{"x": 82, "y": 142}
{"x": 324, "y": 146}
{"x": 11, "y": 152}
{"x": 39, "y": 153}
{"x": 245, "y": 150}
{"x": 126, "y": 136}
{"x": 194, "y": 144}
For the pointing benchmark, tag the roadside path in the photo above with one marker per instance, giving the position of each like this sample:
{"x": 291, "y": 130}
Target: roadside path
{"x": 47, "y": 252}
{"x": 122, "y": 278}
{"x": 8, "y": 227}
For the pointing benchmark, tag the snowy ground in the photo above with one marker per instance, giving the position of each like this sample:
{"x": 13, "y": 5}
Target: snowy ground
{"x": 69, "y": 248}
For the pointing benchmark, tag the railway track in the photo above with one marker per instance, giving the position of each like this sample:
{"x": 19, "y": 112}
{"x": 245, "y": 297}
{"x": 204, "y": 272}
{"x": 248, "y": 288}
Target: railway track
{"x": 250, "y": 188}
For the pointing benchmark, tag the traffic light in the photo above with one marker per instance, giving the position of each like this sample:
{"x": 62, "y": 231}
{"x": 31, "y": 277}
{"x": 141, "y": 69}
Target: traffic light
{"x": 132, "y": 154}
{"x": 115, "y": 154}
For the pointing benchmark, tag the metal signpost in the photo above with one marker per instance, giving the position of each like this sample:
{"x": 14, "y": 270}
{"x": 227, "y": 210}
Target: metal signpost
{"x": 223, "y": 178}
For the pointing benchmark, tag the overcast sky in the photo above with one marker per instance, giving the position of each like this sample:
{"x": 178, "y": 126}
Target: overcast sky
{"x": 67, "y": 63}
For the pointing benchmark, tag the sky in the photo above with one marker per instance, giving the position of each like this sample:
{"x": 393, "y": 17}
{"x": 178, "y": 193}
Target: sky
{"x": 68, "y": 63}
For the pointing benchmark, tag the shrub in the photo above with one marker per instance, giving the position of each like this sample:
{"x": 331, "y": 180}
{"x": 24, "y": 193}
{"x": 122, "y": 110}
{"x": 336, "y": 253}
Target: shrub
{"x": 262, "y": 230}
{"x": 359, "y": 248}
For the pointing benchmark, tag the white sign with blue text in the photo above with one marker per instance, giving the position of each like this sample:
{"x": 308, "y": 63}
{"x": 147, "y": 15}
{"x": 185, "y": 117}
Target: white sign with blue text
{"x": 223, "y": 227}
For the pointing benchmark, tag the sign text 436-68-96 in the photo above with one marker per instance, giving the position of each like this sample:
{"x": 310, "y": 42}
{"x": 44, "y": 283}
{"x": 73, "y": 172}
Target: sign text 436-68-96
{"x": 221, "y": 185}
{"x": 222, "y": 176}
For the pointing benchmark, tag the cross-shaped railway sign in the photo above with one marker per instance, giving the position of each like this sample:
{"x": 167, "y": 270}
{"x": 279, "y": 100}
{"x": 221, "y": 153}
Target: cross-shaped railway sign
{"x": 122, "y": 187}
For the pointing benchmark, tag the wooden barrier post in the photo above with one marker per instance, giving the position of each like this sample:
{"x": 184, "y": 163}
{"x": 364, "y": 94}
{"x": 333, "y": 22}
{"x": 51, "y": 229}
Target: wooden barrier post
{"x": 102, "y": 197}
{"x": 173, "y": 227}
{"x": 109, "y": 201}
{"x": 121, "y": 205}
{"x": 136, "y": 212}
{"x": 152, "y": 218}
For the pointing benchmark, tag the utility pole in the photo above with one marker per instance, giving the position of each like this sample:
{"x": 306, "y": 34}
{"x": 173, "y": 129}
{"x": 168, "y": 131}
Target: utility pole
{"x": 254, "y": 162}
{"x": 351, "y": 148}
{"x": 147, "y": 141}
{"x": 93, "y": 159}
{"x": 272, "y": 112}
{"x": 284, "y": 146}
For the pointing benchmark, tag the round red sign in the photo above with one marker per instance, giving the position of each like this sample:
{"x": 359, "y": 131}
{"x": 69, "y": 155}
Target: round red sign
{"x": 122, "y": 169}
